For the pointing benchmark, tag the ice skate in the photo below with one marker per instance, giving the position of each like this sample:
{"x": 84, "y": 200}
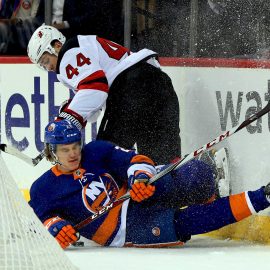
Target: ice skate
{"x": 267, "y": 192}
{"x": 219, "y": 161}
{"x": 223, "y": 178}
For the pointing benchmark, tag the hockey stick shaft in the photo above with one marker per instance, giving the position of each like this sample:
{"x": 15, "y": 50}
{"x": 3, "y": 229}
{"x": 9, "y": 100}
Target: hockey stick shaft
{"x": 15, "y": 152}
{"x": 178, "y": 164}
{"x": 210, "y": 144}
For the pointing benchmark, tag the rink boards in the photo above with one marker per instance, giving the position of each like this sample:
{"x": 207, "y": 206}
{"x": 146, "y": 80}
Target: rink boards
{"x": 214, "y": 94}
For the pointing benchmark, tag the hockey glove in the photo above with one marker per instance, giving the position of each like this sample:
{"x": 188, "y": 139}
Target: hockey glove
{"x": 62, "y": 231}
{"x": 139, "y": 190}
{"x": 73, "y": 117}
{"x": 64, "y": 105}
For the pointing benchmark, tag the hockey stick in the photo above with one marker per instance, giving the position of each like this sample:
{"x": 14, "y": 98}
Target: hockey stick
{"x": 176, "y": 165}
{"x": 15, "y": 152}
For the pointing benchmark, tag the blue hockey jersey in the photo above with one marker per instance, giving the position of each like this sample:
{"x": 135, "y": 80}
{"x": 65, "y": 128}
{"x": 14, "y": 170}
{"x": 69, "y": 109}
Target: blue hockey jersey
{"x": 102, "y": 178}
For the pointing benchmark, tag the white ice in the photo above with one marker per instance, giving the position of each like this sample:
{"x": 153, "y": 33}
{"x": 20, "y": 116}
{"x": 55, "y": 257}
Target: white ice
{"x": 198, "y": 254}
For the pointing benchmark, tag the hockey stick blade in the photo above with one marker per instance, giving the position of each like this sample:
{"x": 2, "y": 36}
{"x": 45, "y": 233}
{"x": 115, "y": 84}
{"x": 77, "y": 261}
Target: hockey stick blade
{"x": 15, "y": 152}
{"x": 176, "y": 165}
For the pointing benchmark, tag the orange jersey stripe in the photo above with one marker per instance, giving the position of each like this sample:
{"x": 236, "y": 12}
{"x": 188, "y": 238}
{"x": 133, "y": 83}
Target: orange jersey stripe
{"x": 107, "y": 228}
{"x": 239, "y": 206}
{"x": 57, "y": 172}
{"x": 50, "y": 221}
{"x": 141, "y": 159}
{"x": 77, "y": 174}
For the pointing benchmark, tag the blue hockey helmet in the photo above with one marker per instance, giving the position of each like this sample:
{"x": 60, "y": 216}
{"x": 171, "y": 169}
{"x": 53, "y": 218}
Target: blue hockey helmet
{"x": 59, "y": 132}
{"x": 62, "y": 132}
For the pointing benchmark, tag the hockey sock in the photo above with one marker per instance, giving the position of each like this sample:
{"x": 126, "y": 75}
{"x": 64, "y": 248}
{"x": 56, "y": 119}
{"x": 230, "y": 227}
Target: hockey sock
{"x": 200, "y": 219}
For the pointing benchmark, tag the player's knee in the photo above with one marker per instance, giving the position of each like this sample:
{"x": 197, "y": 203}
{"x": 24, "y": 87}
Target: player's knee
{"x": 199, "y": 181}
{"x": 182, "y": 226}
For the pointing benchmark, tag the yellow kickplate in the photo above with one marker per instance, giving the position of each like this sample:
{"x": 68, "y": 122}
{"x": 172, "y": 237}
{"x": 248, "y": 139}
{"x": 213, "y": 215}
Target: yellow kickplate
{"x": 26, "y": 194}
{"x": 254, "y": 228}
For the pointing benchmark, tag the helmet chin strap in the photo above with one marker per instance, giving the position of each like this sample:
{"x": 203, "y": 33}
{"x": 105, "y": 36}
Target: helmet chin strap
{"x": 56, "y": 160}
{"x": 54, "y": 52}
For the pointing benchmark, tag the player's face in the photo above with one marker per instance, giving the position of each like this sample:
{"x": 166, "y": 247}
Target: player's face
{"x": 48, "y": 61}
{"x": 69, "y": 155}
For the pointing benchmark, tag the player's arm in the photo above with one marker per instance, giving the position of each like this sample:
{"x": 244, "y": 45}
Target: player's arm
{"x": 79, "y": 68}
{"x": 40, "y": 201}
{"x": 141, "y": 169}
{"x": 137, "y": 168}
{"x": 85, "y": 106}
{"x": 125, "y": 164}
{"x": 62, "y": 231}
{"x": 114, "y": 158}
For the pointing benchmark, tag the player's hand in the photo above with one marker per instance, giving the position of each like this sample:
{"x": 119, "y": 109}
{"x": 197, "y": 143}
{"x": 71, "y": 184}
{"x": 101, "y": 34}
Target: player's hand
{"x": 73, "y": 117}
{"x": 64, "y": 105}
{"x": 62, "y": 231}
{"x": 140, "y": 190}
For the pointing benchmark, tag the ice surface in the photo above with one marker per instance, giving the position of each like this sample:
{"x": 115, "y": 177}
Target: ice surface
{"x": 200, "y": 253}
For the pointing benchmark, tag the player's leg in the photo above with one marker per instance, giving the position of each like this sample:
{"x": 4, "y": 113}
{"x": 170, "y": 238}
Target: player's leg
{"x": 142, "y": 107}
{"x": 117, "y": 127}
{"x": 165, "y": 226}
{"x": 200, "y": 219}
{"x": 153, "y": 228}
{"x": 223, "y": 179}
{"x": 119, "y": 122}
{"x": 219, "y": 161}
{"x": 192, "y": 183}
{"x": 158, "y": 136}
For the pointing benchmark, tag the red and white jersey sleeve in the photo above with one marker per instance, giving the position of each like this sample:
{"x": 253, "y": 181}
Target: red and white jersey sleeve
{"x": 89, "y": 67}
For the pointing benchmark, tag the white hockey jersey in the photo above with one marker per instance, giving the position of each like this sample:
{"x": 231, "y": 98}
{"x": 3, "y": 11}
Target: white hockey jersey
{"x": 88, "y": 65}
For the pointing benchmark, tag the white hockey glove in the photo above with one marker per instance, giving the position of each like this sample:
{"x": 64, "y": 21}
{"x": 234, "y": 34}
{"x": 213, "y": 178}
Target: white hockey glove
{"x": 73, "y": 117}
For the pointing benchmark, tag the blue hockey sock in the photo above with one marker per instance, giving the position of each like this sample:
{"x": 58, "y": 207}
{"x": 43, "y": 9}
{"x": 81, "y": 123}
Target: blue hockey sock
{"x": 200, "y": 219}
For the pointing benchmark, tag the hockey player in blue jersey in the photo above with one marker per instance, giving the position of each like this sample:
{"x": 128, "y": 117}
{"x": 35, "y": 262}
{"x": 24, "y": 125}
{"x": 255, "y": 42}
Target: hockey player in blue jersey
{"x": 166, "y": 213}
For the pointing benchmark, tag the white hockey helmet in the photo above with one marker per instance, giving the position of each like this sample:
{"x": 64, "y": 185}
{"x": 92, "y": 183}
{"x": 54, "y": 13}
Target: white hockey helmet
{"x": 41, "y": 41}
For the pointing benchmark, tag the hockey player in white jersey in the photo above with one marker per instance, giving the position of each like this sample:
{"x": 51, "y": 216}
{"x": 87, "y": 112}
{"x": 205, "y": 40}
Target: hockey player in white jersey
{"x": 141, "y": 104}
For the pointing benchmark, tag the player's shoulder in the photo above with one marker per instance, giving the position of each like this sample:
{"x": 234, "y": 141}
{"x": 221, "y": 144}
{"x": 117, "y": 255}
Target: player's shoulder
{"x": 98, "y": 146}
{"x": 103, "y": 150}
{"x": 69, "y": 44}
{"x": 79, "y": 42}
{"x": 43, "y": 181}
{"x": 97, "y": 151}
{"x": 77, "y": 59}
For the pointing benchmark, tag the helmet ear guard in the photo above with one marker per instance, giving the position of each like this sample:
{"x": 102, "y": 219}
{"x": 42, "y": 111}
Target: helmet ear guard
{"x": 41, "y": 42}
